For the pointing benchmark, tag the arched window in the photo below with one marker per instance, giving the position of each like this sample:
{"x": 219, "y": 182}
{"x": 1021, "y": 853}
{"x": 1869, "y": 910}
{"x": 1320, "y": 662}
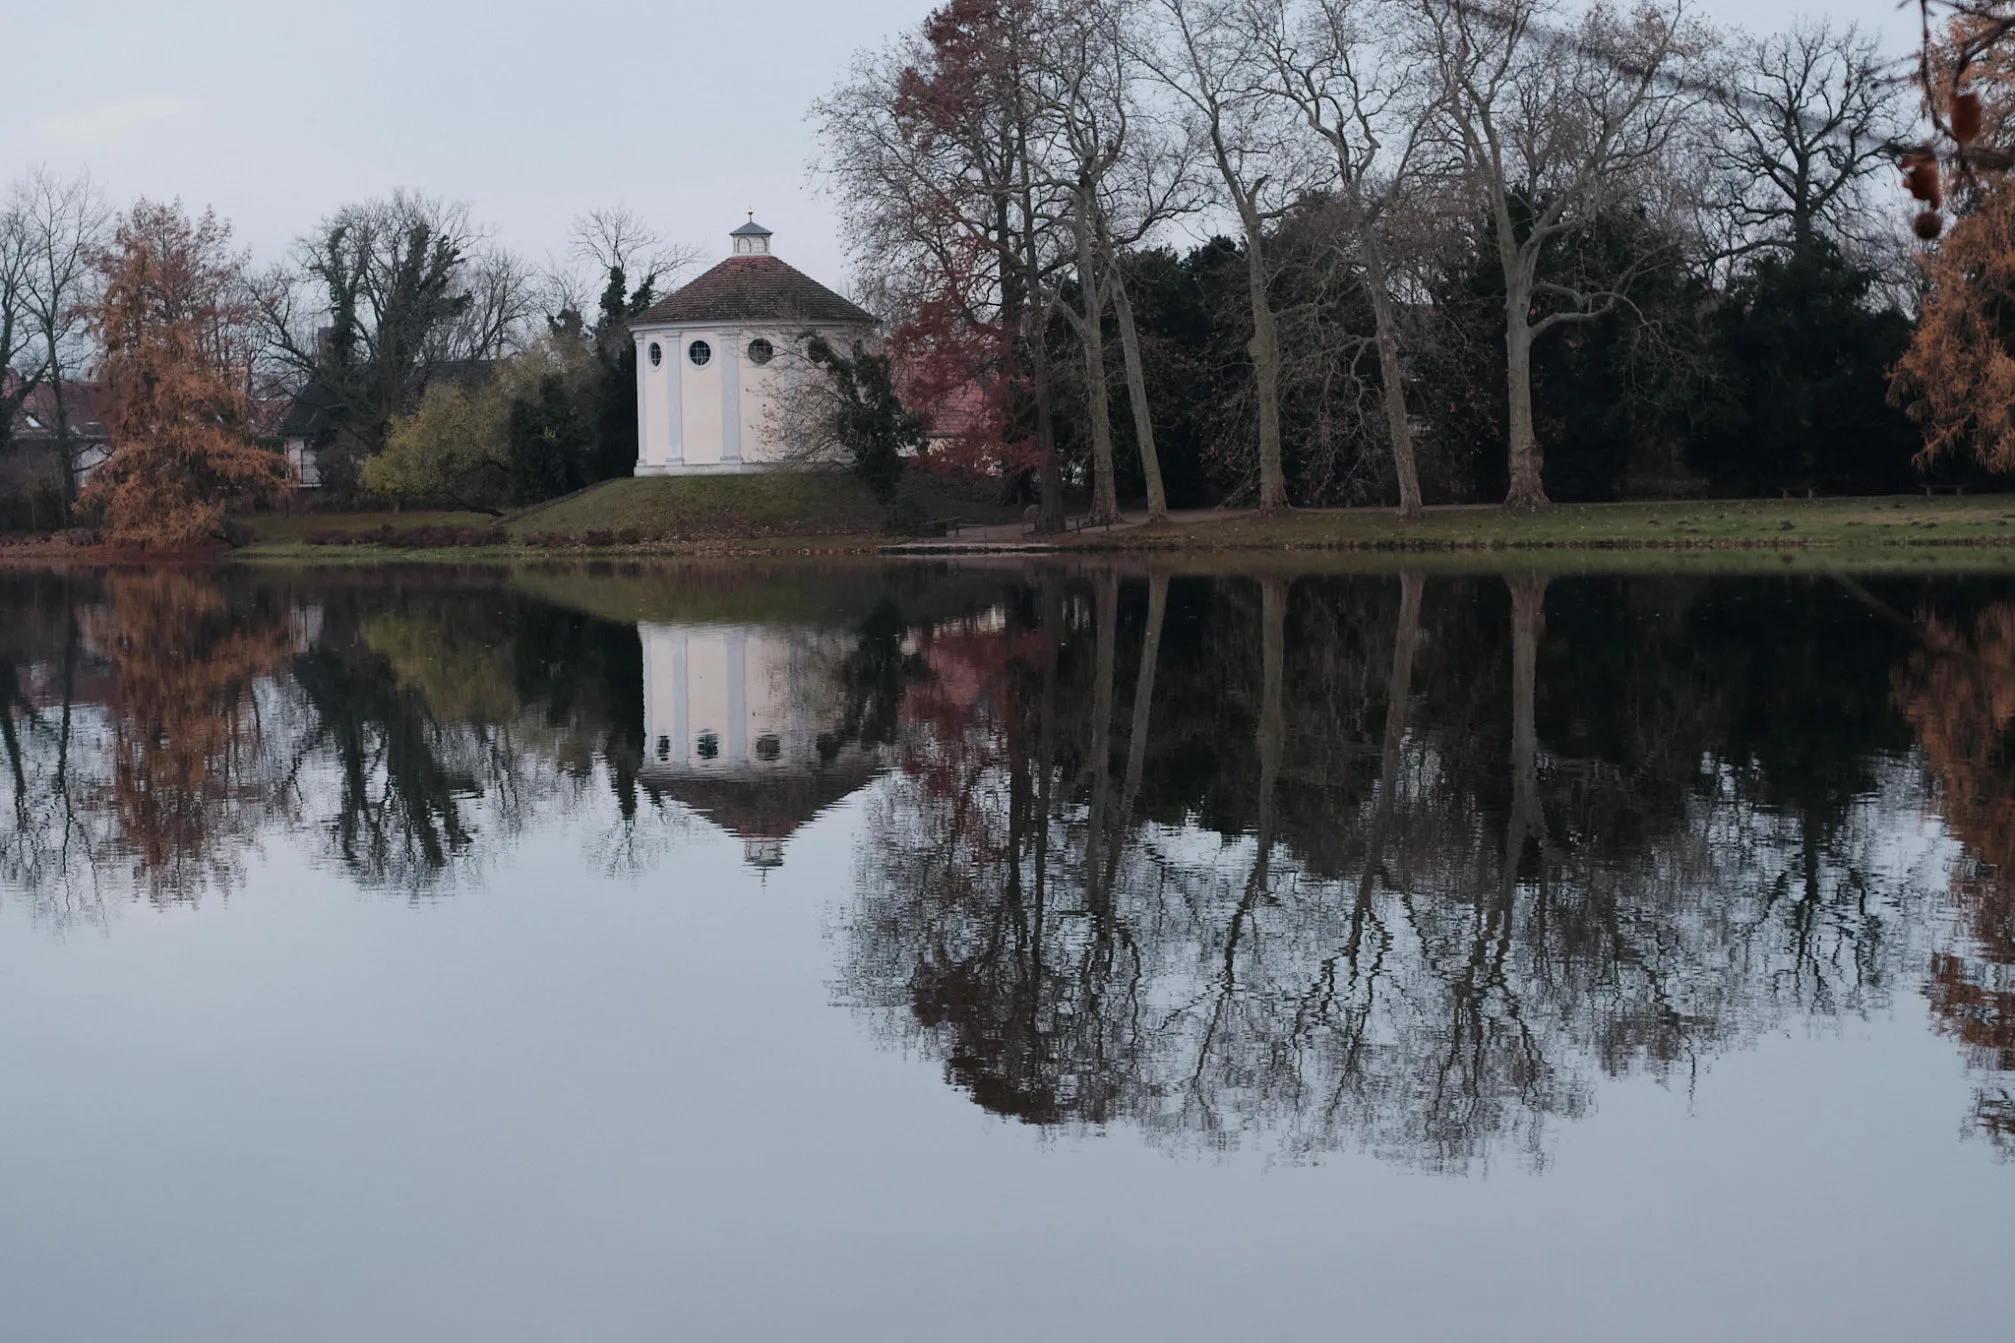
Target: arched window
{"x": 761, "y": 351}
{"x": 700, "y": 353}
{"x": 657, "y": 354}
{"x": 709, "y": 746}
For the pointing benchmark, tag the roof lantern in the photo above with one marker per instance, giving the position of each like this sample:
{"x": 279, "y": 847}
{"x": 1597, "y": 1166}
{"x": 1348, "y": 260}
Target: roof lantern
{"x": 751, "y": 239}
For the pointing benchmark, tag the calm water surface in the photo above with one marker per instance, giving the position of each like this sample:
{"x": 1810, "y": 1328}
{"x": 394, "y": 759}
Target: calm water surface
{"x": 1005, "y": 953}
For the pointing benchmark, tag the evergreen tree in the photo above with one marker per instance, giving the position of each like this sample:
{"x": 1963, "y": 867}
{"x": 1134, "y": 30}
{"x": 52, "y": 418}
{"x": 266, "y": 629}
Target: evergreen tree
{"x": 869, "y": 421}
{"x": 616, "y": 439}
{"x": 550, "y": 441}
{"x": 1804, "y": 360}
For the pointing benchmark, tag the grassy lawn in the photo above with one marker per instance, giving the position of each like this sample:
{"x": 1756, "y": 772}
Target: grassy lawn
{"x": 784, "y": 513}
{"x": 753, "y": 512}
{"x": 291, "y": 529}
{"x": 1832, "y": 524}
{"x": 707, "y": 508}
{"x": 744, "y": 508}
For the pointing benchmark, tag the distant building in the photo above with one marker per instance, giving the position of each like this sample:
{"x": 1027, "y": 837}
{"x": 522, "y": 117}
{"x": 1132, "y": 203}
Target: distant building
{"x": 36, "y": 421}
{"x": 706, "y": 380}
{"x": 309, "y": 425}
{"x": 37, "y": 473}
{"x": 744, "y": 724}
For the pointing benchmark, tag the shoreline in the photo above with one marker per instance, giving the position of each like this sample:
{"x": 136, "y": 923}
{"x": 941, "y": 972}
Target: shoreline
{"x": 1916, "y": 531}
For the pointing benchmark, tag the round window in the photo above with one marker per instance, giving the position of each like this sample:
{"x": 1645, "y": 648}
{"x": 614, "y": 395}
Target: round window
{"x": 657, "y": 354}
{"x": 699, "y": 352}
{"x": 761, "y": 351}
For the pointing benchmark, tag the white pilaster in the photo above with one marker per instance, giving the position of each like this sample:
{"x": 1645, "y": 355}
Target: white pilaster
{"x": 675, "y": 405}
{"x": 644, "y": 370}
{"x": 731, "y": 396}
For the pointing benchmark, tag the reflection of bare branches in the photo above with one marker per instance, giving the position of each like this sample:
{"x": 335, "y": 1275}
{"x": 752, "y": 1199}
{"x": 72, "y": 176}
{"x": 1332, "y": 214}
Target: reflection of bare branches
{"x": 51, "y": 847}
{"x": 1427, "y": 936}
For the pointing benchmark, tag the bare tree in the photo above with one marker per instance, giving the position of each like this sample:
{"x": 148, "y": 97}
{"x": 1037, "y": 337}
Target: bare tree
{"x": 1808, "y": 117}
{"x": 936, "y": 148}
{"x": 1205, "y": 55}
{"x": 21, "y": 354}
{"x": 383, "y": 297}
{"x": 66, "y": 221}
{"x": 1125, "y": 177}
{"x": 1553, "y": 126}
{"x": 615, "y": 238}
{"x": 1365, "y": 98}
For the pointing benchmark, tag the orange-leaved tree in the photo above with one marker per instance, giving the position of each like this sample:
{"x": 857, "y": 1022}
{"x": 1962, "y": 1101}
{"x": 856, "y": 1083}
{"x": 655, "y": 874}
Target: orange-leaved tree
{"x": 173, "y": 319}
{"x": 1957, "y": 378}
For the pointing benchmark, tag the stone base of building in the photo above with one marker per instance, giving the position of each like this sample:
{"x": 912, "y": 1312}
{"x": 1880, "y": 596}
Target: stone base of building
{"x": 708, "y": 468}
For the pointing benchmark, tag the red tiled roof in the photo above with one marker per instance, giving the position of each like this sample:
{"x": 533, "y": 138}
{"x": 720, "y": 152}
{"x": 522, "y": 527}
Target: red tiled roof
{"x": 83, "y": 401}
{"x": 756, "y": 289}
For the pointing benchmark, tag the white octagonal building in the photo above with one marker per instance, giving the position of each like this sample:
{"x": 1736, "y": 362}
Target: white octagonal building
{"x": 707, "y": 370}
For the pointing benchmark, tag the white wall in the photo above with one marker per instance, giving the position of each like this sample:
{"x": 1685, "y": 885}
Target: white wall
{"x": 738, "y": 685}
{"x": 685, "y": 414}
{"x": 701, "y": 392}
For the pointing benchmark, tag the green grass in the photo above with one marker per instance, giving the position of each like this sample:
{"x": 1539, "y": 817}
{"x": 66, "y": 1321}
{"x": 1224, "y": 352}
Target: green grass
{"x": 784, "y": 514}
{"x": 293, "y": 529}
{"x": 1904, "y": 523}
{"x": 741, "y": 508}
{"x": 825, "y": 511}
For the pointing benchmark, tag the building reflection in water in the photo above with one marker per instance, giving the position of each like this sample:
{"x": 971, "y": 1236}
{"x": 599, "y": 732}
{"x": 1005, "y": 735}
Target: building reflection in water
{"x": 1402, "y": 862}
{"x": 746, "y": 724}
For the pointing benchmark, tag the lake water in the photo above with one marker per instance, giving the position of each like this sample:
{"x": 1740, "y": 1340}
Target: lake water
{"x": 849, "y": 951}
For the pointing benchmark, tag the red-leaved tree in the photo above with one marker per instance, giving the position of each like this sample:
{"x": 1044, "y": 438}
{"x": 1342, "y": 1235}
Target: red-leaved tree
{"x": 174, "y": 320}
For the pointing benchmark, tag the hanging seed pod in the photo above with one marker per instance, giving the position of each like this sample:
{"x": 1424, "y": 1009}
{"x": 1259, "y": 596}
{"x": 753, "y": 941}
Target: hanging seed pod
{"x": 1964, "y": 117}
{"x": 1928, "y": 225}
{"x": 1920, "y": 178}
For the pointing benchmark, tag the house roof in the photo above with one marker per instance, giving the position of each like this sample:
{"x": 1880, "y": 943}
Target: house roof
{"x": 750, "y": 230}
{"x": 84, "y": 403}
{"x": 756, "y": 288}
{"x": 766, "y": 805}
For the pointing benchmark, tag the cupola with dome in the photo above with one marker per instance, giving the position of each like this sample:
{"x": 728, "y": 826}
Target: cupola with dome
{"x": 706, "y": 381}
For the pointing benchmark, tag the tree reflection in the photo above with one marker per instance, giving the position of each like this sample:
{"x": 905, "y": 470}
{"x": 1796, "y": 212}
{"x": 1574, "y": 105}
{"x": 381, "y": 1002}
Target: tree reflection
{"x": 1301, "y": 862}
{"x": 1392, "y": 872}
{"x": 1959, "y": 694}
{"x": 194, "y": 771}
{"x": 51, "y": 844}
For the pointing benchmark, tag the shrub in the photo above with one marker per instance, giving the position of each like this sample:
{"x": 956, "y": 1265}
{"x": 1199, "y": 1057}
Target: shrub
{"x": 908, "y": 517}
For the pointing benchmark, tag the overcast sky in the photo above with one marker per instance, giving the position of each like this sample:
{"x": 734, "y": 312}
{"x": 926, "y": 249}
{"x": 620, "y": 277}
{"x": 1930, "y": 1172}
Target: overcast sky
{"x": 533, "y": 111}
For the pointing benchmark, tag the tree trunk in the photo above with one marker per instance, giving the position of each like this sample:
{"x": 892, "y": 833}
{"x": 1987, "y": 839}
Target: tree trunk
{"x": 1091, "y": 333}
{"x": 1528, "y": 627}
{"x": 1053, "y": 631}
{"x": 66, "y": 454}
{"x": 1397, "y": 426}
{"x": 1272, "y": 715}
{"x": 1264, "y": 347}
{"x": 1136, "y": 395}
{"x": 1398, "y": 699}
{"x": 1045, "y": 435}
{"x": 1101, "y": 736}
{"x": 1527, "y": 491}
{"x": 1143, "y": 689}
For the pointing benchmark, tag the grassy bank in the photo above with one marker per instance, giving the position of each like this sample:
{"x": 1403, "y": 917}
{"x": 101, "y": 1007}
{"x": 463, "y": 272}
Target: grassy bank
{"x": 785, "y": 514}
{"x": 661, "y": 514}
{"x": 1911, "y": 522}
